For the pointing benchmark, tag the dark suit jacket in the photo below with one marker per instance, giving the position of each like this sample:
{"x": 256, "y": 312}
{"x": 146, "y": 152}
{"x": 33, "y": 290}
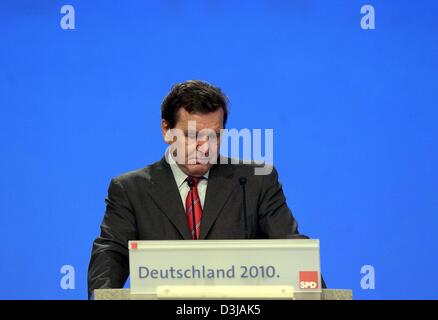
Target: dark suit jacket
{"x": 146, "y": 205}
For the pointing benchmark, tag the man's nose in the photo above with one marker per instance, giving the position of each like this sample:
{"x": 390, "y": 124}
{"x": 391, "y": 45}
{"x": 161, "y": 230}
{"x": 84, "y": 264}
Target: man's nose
{"x": 202, "y": 145}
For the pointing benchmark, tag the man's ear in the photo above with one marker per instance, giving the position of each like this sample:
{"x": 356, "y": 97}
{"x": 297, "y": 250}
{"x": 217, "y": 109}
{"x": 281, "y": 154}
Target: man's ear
{"x": 164, "y": 128}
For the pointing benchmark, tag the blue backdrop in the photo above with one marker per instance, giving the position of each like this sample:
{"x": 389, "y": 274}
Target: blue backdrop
{"x": 354, "y": 114}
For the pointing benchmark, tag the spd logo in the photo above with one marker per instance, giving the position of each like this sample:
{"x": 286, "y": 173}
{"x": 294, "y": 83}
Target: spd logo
{"x": 308, "y": 279}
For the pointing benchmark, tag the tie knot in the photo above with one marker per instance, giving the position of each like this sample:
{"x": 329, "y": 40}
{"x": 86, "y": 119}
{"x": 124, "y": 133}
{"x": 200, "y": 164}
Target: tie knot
{"x": 194, "y": 179}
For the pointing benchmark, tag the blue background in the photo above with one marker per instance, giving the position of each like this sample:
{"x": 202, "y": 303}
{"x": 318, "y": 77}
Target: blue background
{"x": 354, "y": 114}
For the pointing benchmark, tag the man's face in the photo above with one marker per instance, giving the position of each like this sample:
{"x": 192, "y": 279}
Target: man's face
{"x": 197, "y": 139}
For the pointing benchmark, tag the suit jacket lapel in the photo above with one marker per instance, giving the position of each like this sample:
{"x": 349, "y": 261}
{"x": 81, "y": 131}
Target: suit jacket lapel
{"x": 218, "y": 191}
{"x": 165, "y": 193}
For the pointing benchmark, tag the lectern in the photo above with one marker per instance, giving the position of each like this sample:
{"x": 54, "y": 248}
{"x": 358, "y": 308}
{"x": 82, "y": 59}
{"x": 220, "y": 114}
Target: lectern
{"x": 224, "y": 269}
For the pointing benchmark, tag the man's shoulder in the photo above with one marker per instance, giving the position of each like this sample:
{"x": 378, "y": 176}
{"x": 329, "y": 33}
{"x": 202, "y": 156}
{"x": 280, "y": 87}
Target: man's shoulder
{"x": 142, "y": 174}
{"x": 250, "y": 167}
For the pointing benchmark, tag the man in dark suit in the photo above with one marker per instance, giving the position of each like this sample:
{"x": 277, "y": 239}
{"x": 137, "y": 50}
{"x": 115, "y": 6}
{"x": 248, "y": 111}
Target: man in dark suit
{"x": 153, "y": 203}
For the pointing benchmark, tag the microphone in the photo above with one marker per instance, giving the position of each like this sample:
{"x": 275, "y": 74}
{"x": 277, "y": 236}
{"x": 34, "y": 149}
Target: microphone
{"x": 191, "y": 183}
{"x": 242, "y": 181}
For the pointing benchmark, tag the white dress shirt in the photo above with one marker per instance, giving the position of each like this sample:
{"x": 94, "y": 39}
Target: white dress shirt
{"x": 183, "y": 187}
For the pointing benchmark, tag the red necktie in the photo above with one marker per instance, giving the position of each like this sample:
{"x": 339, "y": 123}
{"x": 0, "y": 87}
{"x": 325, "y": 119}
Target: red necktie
{"x": 198, "y": 209}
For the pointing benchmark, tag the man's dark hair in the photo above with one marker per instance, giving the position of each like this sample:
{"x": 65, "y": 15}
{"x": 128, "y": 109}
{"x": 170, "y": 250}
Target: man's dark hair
{"x": 194, "y": 96}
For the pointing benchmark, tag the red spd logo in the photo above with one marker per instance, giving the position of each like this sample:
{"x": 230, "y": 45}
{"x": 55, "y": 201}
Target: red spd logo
{"x": 309, "y": 279}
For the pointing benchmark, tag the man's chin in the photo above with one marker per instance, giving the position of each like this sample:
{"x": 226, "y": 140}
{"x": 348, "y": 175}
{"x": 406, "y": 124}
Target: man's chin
{"x": 196, "y": 170}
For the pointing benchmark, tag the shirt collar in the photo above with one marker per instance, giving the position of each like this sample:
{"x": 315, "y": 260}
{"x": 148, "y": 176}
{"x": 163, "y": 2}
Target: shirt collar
{"x": 178, "y": 174}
